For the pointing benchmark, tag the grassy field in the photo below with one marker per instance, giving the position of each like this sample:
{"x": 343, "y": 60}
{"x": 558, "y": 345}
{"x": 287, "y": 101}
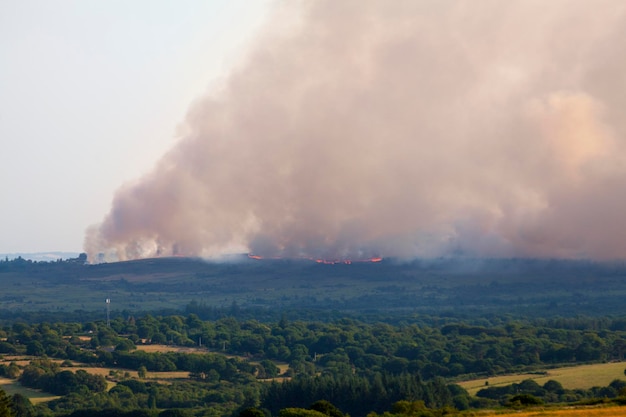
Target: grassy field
{"x": 168, "y": 348}
{"x": 283, "y": 366}
{"x": 571, "y": 377}
{"x": 105, "y": 371}
{"x": 583, "y": 376}
{"x": 12, "y": 387}
{"x": 567, "y": 412}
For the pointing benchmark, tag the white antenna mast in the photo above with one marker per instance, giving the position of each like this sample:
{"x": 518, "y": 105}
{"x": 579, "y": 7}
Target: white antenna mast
{"x": 108, "y": 301}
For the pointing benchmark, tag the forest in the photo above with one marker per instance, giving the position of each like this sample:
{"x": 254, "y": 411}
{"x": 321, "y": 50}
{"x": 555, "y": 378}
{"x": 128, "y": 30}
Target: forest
{"x": 234, "y": 365}
{"x": 295, "y": 338}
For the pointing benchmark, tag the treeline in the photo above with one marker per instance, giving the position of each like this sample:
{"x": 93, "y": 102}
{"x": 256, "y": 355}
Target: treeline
{"x": 197, "y": 398}
{"x": 200, "y": 366}
{"x": 20, "y": 406}
{"x": 349, "y": 391}
{"x": 341, "y": 347}
{"x": 530, "y": 392}
{"x": 48, "y": 376}
{"x": 343, "y": 361}
{"x": 20, "y": 264}
{"x": 447, "y": 350}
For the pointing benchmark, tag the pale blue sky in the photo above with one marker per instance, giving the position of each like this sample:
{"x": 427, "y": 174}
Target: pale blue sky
{"x": 91, "y": 93}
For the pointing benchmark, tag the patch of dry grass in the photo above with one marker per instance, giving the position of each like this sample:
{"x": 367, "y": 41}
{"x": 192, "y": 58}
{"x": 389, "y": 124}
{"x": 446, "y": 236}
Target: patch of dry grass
{"x": 612, "y": 411}
{"x": 167, "y": 375}
{"x": 168, "y": 348}
{"x": 571, "y": 377}
{"x": 99, "y": 371}
{"x": 132, "y": 374}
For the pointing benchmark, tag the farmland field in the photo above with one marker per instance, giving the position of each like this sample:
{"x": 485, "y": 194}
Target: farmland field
{"x": 569, "y": 412}
{"x": 571, "y": 377}
{"x": 171, "y": 348}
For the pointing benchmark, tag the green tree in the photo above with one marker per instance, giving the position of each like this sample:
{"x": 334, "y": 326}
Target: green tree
{"x": 7, "y": 348}
{"x": 152, "y": 397}
{"x": 299, "y": 412}
{"x": 12, "y": 371}
{"x": 408, "y": 408}
{"x": 22, "y": 407}
{"x": 524, "y": 400}
{"x": 271, "y": 370}
{"x": 175, "y": 412}
{"x": 35, "y": 348}
{"x": 327, "y": 408}
{"x": 251, "y": 412}
{"x": 5, "y": 405}
{"x": 553, "y": 386}
{"x": 125, "y": 345}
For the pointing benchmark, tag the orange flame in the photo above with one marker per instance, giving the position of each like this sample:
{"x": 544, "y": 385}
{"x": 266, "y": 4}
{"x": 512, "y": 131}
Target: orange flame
{"x": 346, "y": 261}
{"x": 328, "y": 261}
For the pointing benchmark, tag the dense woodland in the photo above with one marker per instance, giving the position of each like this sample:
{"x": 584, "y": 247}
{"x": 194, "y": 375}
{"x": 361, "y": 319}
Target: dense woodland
{"x": 343, "y": 361}
{"x": 326, "y": 342}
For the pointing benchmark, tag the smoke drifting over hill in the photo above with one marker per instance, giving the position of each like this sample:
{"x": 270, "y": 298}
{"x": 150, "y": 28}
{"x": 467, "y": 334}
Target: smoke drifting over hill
{"x": 404, "y": 128}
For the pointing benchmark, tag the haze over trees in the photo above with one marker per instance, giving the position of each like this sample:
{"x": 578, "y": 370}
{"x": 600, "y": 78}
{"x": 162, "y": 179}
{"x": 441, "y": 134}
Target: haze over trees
{"x": 451, "y": 286}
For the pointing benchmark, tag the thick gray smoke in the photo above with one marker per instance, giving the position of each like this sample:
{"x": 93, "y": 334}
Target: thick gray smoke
{"x": 400, "y": 128}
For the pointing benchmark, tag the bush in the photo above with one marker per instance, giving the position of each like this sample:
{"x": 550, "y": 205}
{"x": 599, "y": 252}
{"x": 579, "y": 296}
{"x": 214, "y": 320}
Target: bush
{"x": 524, "y": 400}
{"x": 299, "y": 412}
{"x": 553, "y": 386}
{"x": 6, "y": 347}
{"x": 327, "y": 408}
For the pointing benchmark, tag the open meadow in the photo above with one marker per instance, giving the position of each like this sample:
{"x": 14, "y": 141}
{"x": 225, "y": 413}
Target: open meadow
{"x": 571, "y": 377}
{"x": 612, "y": 411}
{"x": 171, "y": 348}
{"x": 12, "y": 387}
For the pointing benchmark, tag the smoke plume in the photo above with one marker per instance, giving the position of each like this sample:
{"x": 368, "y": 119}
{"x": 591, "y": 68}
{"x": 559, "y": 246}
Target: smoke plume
{"x": 406, "y": 128}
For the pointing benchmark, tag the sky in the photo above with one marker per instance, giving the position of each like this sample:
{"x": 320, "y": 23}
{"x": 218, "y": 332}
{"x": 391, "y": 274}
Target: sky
{"x": 91, "y": 95}
{"x": 320, "y": 129}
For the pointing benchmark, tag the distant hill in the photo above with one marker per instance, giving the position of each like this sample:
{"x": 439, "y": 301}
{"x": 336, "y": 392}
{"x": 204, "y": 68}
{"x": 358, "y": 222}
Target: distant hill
{"x": 475, "y": 287}
{"x": 40, "y": 256}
